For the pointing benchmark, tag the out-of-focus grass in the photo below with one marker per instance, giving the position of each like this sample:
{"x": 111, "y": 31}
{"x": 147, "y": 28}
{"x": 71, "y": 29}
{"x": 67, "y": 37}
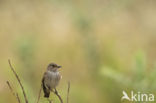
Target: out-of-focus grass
{"x": 96, "y": 42}
{"x": 138, "y": 80}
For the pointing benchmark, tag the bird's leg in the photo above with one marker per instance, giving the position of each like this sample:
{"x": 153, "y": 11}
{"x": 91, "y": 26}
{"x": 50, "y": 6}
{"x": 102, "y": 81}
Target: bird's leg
{"x": 52, "y": 90}
{"x": 56, "y": 91}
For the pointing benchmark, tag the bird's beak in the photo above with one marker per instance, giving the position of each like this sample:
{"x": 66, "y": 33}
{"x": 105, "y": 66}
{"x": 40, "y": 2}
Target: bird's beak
{"x": 59, "y": 66}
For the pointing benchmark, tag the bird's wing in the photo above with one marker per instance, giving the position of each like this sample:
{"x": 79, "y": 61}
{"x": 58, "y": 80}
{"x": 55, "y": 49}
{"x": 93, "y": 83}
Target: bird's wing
{"x": 45, "y": 88}
{"x": 43, "y": 79}
{"x": 45, "y": 76}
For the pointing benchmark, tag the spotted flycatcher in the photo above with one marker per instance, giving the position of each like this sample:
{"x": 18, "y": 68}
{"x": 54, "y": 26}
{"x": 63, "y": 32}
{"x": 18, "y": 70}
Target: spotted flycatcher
{"x": 50, "y": 79}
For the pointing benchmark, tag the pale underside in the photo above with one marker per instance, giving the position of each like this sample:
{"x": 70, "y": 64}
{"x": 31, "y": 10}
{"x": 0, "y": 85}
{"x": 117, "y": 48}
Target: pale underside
{"x": 51, "y": 79}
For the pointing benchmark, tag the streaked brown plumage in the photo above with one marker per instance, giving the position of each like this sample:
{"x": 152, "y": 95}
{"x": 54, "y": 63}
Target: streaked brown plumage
{"x": 50, "y": 79}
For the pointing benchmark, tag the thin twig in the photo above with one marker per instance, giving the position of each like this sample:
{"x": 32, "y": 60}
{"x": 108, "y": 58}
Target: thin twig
{"x": 17, "y": 77}
{"x": 56, "y": 93}
{"x": 39, "y": 94}
{"x": 15, "y": 94}
{"x": 68, "y": 92}
{"x": 18, "y": 98}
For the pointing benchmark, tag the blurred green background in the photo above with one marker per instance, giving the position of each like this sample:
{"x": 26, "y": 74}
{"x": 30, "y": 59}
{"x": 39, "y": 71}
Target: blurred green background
{"x": 104, "y": 46}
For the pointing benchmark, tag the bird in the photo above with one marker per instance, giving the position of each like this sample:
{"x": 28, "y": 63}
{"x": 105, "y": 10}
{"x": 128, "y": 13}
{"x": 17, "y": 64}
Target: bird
{"x": 51, "y": 79}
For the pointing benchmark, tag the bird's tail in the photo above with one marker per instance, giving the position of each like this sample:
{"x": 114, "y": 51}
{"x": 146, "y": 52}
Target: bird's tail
{"x": 46, "y": 94}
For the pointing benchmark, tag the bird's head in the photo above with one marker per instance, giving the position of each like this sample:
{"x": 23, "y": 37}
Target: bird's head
{"x": 53, "y": 67}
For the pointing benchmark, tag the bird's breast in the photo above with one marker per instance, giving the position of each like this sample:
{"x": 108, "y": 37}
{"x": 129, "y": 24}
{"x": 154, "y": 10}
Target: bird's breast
{"x": 53, "y": 79}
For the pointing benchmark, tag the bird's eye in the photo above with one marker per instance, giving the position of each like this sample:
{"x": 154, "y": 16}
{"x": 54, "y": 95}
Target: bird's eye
{"x": 53, "y": 65}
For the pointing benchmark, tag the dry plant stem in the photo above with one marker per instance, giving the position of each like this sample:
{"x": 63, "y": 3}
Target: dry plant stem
{"x": 15, "y": 94}
{"x": 68, "y": 92}
{"x": 39, "y": 94}
{"x": 56, "y": 93}
{"x": 19, "y": 81}
{"x": 19, "y": 101}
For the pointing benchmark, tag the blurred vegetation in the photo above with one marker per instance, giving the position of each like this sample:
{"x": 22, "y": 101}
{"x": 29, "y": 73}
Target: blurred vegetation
{"x": 104, "y": 46}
